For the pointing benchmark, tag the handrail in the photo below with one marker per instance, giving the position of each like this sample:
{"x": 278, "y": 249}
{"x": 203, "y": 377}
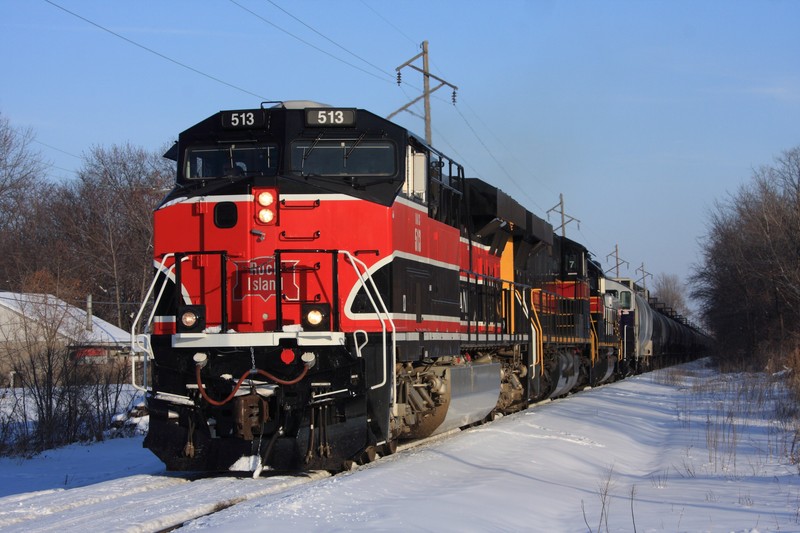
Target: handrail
{"x": 378, "y": 311}
{"x": 392, "y": 398}
{"x": 356, "y": 344}
{"x": 536, "y": 328}
{"x": 539, "y": 329}
{"x": 134, "y": 343}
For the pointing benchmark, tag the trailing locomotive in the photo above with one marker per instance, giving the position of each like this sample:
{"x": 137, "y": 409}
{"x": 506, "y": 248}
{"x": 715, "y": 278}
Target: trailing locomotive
{"x": 327, "y": 284}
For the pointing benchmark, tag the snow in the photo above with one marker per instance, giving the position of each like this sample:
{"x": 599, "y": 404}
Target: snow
{"x": 76, "y": 465}
{"x": 677, "y": 450}
{"x": 71, "y": 319}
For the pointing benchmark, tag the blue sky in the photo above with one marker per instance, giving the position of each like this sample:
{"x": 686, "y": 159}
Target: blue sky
{"x": 640, "y": 113}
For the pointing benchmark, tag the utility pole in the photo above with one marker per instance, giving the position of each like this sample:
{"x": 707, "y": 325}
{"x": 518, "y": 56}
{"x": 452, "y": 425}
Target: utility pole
{"x": 618, "y": 260}
{"x": 89, "y": 320}
{"x": 565, "y": 219}
{"x": 426, "y": 92}
{"x": 643, "y": 279}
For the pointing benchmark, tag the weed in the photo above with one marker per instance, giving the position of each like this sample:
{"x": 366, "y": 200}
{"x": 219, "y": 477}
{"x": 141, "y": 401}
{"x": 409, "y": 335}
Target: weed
{"x": 745, "y": 500}
{"x": 604, "y": 492}
{"x": 687, "y": 469}
{"x": 659, "y": 479}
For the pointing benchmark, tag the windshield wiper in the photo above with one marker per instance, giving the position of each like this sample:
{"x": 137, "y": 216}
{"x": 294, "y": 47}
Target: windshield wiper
{"x": 313, "y": 145}
{"x": 355, "y": 144}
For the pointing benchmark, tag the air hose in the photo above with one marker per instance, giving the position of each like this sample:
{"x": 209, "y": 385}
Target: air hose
{"x": 212, "y": 401}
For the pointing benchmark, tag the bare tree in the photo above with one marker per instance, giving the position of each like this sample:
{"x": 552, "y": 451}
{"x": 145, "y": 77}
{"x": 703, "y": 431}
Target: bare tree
{"x": 98, "y": 226}
{"x": 669, "y": 290}
{"x": 35, "y": 343}
{"x": 62, "y": 399}
{"x": 108, "y": 225}
{"x": 21, "y": 174}
{"x": 748, "y": 281}
{"x": 20, "y": 167}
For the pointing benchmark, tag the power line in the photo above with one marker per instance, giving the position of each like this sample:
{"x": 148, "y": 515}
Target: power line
{"x": 317, "y": 48}
{"x": 497, "y": 161}
{"x": 485, "y": 127}
{"x": 645, "y": 275}
{"x": 387, "y": 21}
{"x": 618, "y": 260}
{"x": 159, "y": 54}
{"x": 50, "y": 165}
{"x": 467, "y": 122}
{"x": 389, "y": 74}
{"x": 57, "y": 149}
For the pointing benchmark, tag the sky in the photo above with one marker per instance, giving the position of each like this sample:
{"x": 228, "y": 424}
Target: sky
{"x": 642, "y": 114}
{"x": 683, "y": 449}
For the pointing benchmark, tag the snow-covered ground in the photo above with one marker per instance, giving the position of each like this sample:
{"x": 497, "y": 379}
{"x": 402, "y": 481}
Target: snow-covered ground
{"x": 677, "y": 450}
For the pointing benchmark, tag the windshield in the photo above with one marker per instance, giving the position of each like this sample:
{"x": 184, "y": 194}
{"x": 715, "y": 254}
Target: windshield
{"x": 208, "y": 162}
{"x": 343, "y": 157}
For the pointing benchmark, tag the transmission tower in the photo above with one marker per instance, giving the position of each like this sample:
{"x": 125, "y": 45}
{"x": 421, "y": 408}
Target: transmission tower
{"x": 565, "y": 218}
{"x": 643, "y": 279}
{"x": 427, "y": 91}
{"x": 619, "y": 261}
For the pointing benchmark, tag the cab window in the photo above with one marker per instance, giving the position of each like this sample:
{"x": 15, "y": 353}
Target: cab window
{"x": 208, "y": 162}
{"x": 343, "y": 157}
{"x": 625, "y": 299}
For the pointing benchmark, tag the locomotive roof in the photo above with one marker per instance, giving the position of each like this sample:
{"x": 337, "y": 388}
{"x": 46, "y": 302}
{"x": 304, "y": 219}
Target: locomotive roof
{"x": 494, "y": 202}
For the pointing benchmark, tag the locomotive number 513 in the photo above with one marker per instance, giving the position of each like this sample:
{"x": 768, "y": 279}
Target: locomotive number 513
{"x": 330, "y": 117}
{"x": 242, "y": 119}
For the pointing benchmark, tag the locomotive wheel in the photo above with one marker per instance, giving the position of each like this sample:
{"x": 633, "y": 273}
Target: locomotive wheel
{"x": 369, "y": 455}
{"x": 390, "y": 448}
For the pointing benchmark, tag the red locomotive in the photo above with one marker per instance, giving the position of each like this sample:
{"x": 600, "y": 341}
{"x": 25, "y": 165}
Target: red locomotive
{"x": 327, "y": 284}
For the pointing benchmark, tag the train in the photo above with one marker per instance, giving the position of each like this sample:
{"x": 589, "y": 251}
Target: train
{"x": 328, "y": 285}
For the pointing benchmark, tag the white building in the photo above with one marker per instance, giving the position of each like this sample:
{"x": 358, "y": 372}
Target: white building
{"x": 28, "y": 320}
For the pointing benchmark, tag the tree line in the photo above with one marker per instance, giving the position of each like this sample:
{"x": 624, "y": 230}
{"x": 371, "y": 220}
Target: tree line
{"x": 747, "y": 281}
{"x": 90, "y": 235}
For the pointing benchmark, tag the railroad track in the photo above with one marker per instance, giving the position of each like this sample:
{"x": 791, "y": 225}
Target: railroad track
{"x": 140, "y": 503}
{"x": 150, "y": 503}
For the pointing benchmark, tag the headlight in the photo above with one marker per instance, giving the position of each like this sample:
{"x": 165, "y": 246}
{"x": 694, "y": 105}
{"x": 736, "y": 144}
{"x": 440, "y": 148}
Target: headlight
{"x": 266, "y": 206}
{"x": 315, "y": 317}
{"x": 266, "y": 216}
{"x": 266, "y": 198}
{"x": 189, "y": 319}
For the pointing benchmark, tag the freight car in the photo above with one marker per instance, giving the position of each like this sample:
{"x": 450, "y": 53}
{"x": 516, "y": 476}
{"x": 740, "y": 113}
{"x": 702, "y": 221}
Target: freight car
{"x": 327, "y": 284}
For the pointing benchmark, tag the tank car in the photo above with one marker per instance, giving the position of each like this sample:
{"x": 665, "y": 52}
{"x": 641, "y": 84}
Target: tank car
{"x": 652, "y": 335}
